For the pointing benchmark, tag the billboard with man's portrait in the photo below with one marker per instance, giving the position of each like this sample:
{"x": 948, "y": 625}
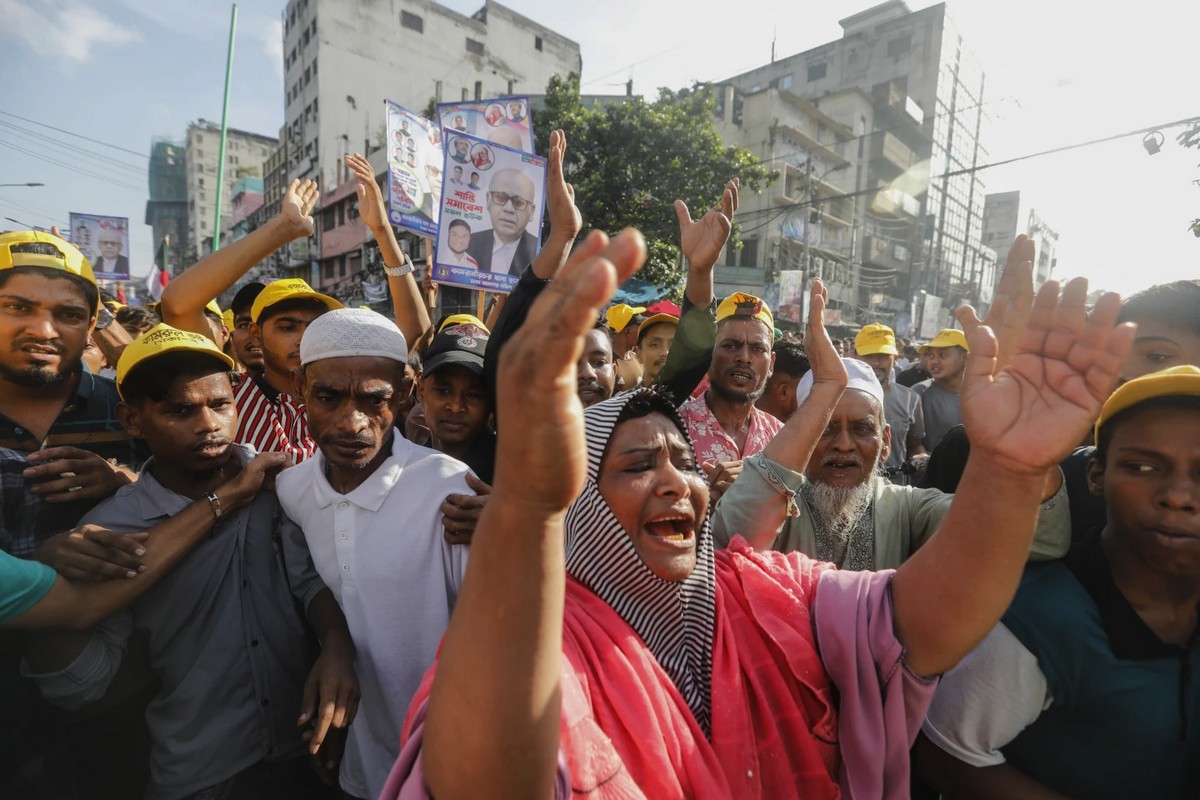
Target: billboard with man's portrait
{"x": 104, "y": 242}
{"x": 503, "y": 120}
{"x": 491, "y": 214}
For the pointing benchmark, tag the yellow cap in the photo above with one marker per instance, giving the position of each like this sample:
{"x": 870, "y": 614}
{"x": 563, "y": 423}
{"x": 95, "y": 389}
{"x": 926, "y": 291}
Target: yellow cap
{"x": 876, "y": 338}
{"x": 227, "y": 319}
{"x": 163, "y": 339}
{"x": 463, "y": 319}
{"x": 618, "y": 316}
{"x": 288, "y": 289}
{"x": 71, "y": 260}
{"x": 947, "y": 337}
{"x": 740, "y": 304}
{"x": 1181, "y": 380}
{"x": 652, "y": 320}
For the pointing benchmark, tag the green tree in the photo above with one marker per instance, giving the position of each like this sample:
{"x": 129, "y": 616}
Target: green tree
{"x": 630, "y": 160}
{"x": 1191, "y": 138}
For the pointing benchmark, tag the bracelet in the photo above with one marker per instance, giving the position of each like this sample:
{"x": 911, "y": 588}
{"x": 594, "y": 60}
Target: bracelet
{"x": 400, "y": 272}
{"x": 215, "y": 503}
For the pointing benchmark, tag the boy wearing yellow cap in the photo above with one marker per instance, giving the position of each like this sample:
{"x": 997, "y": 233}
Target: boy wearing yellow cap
{"x": 1089, "y": 687}
{"x": 946, "y": 360}
{"x": 224, "y": 633}
{"x": 876, "y": 345}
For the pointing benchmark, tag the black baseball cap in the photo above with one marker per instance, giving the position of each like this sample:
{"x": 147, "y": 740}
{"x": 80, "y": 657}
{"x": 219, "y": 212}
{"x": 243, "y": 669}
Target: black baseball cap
{"x": 245, "y": 297}
{"x": 462, "y": 344}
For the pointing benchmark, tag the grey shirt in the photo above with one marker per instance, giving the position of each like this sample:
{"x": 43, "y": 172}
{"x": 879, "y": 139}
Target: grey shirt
{"x": 225, "y": 637}
{"x": 941, "y": 411}
{"x": 903, "y": 412}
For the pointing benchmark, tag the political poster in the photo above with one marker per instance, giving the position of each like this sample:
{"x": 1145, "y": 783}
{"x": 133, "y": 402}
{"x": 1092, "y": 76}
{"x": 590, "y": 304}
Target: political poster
{"x": 491, "y": 214}
{"x": 504, "y": 121}
{"x": 414, "y": 146}
{"x": 791, "y": 296}
{"x": 104, "y": 242}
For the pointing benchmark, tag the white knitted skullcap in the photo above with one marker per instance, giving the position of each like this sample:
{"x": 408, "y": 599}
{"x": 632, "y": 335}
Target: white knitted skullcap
{"x": 862, "y": 377}
{"x": 347, "y": 332}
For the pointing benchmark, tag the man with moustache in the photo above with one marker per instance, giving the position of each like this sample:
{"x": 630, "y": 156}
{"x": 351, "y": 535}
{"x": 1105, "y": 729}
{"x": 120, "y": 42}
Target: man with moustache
{"x": 595, "y": 371}
{"x": 224, "y": 634}
{"x": 368, "y": 524}
{"x": 507, "y": 247}
{"x": 875, "y": 344}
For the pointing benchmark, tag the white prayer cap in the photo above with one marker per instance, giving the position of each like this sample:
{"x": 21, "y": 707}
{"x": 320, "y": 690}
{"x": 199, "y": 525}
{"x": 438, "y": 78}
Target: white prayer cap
{"x": 347, "y": 332}
{"x": 862, "y": 377}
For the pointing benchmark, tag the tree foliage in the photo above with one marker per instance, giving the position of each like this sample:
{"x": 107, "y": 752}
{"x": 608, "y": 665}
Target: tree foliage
{"x": 630, "y": 160}
{"x": 1191, "y": 138}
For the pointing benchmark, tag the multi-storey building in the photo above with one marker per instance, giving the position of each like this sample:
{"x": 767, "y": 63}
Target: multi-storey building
{"x": 1004, "y": 218}
{"x": 906, "y": 102}
{"x": 342, "y": 59}
{"x": 167, "y": 208}
{"x": 245, "y": 154}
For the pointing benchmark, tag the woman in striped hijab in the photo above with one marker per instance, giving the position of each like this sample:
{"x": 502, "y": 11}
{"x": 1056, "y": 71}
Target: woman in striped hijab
{"x": 653, "y": 667}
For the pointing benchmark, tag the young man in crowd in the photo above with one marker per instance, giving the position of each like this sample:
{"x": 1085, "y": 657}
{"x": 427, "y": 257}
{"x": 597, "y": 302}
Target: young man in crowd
{"x": 455, "y": 399}
{"x": 367, "y": 507}
{"x": 875, "y": 344}
{"x": 246, "y": 350}
{"x": 654, "y": 337}
{"x": 595, "y": 371}
{"x": 224, "y": 634}
{"x": 946, "y": 360}
{"x": 623, "y": 321}
{"x": 1088, "y": 687}
{"x": 779, "y": 397}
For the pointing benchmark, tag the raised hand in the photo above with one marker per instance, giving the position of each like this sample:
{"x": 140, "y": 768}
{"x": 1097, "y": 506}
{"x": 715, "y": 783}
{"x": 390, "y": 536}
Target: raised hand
{"x": 701, "y": 240}
{"x": 826, "y": 364}
{"x": 298, "y": 203}
{"x": 370, "y": 199}
{"x": 536, "y": 390}
{"x": 1032, "y": 411}
{"x": 565, "y": 219}
{"x": 1013, "y": 302}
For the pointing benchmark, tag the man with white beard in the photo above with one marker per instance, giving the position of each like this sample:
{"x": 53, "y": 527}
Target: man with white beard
{"x": 837, "y": 507}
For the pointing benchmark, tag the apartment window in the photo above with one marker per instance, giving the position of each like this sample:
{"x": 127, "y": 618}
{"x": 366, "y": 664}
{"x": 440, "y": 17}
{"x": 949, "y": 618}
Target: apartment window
{"x": 314, "y": 67}
{"x": 785, "y": 82}
{"x": 749, "y": 253}
{"x": 537, "y": 43}
{"x": 412, "y": 21}
{"x": 510, "y": 88}
{"x": 200, "y": 181}
{"x": 816, "y": 72}
{"x": 478, "y": 90}
{"x": 304, "y": 39}
{"x": 474, "y": 46}
{"x": 899, "y": 46}
{"x": 328, "y": 220}
{"x": 307, "y": 76}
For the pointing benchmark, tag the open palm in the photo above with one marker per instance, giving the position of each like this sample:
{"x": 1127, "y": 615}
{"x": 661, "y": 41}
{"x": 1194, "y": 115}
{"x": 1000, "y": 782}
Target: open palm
{"x": 1033, "y": 410}
{"x": 297, "y": 206}
{"x": 701, "y": 240}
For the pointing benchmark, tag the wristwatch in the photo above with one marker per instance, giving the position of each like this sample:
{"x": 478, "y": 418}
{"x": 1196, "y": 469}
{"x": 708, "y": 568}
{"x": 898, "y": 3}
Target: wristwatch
{"x": 400, "y": 272}
{"x": 104, "y": 318}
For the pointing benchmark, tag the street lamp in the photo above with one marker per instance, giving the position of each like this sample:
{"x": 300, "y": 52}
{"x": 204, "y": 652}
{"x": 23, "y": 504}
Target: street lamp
{"x": 21, "y": 184}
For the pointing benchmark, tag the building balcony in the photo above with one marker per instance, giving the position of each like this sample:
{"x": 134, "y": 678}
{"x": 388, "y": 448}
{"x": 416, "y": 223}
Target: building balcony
{"x": 890, "y": 156}
{"x": 886, "y": 253}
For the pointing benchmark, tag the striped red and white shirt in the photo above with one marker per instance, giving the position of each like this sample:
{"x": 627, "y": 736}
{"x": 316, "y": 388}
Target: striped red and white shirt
{"x": 270, "y": 425}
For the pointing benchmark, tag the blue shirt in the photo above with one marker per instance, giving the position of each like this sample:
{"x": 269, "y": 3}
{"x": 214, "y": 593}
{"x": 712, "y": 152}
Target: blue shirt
{"x": 22, "y": 585}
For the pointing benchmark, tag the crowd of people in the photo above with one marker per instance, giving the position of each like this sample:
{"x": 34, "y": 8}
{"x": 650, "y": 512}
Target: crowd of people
{"x": 292, "y": 549}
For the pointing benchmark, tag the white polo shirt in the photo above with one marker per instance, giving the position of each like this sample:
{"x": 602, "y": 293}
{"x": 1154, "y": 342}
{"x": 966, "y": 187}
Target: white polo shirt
{"x": 381, "y": 551}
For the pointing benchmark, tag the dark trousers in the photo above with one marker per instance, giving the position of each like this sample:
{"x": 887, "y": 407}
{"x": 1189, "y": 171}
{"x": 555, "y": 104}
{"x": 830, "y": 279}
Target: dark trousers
{"x": 271, "y": 780}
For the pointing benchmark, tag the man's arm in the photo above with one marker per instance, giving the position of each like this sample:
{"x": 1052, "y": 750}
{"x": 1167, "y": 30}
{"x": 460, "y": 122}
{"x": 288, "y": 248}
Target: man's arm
{"x": 407, "y": 305}
{"x": 79, "y": 605}
{"x": 184, "y": 298}
{"x": 1022, "y": 420}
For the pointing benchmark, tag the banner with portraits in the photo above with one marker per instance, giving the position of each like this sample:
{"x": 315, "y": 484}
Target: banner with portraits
{"x": 414, "y": 147}
{"x": 491, "y": 214}
{"x": 104, "y": 242}
{"x": 504, "y": 121}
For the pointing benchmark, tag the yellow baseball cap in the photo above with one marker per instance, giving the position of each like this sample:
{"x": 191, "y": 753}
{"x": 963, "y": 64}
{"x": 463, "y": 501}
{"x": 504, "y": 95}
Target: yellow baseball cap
{"x": 947, "y": 337}
{"x": 70, "y": 260}
{"x": 288, "y": 289}
{"x": 876, "y": 338}
{"x": 618, "y": 316}
{"x": 163, "y": 339}
{"x": 653, "y": 320}
{"x": 227, "y": 319}
{"x": 1181, "y": 380}
{"x": 740, "y": 304}
{"x": 214, "y": 309}
{"x": 462, "y": 319}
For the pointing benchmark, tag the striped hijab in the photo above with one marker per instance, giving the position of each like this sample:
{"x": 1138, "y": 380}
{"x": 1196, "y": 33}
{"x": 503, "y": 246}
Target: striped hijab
{"x": 675, "y": 619}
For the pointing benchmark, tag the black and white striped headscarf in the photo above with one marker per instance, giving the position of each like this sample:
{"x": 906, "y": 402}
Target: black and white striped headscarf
{"x": 675, "y": 619}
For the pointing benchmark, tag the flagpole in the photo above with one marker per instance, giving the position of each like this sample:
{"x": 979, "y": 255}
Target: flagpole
{"x": 224, "y": 131}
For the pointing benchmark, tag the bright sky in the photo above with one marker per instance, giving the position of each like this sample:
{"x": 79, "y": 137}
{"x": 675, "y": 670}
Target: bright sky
{"x": 125, "y": 71}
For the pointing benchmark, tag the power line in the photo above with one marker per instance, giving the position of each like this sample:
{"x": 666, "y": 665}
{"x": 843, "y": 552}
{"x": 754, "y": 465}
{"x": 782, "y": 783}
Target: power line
{"x": 65, "y": 148}
{"x": 72, "y": 167}
{"x": 72, "y": 133}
